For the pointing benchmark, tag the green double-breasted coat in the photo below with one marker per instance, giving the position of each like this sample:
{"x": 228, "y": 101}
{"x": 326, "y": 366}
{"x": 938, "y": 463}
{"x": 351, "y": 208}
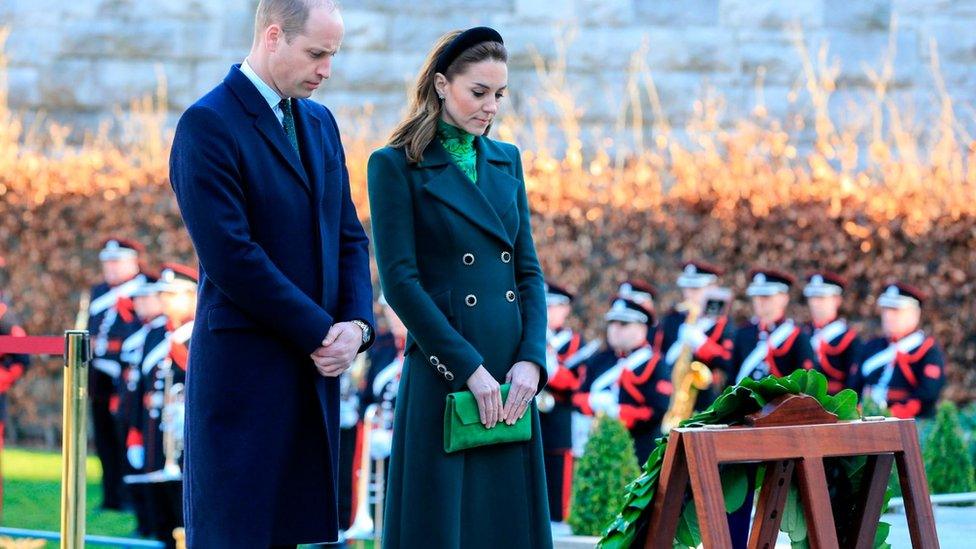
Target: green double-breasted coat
{"x": 458, "y": 265}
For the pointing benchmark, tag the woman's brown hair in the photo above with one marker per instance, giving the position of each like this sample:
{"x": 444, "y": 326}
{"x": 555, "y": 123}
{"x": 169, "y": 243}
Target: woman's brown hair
{"x": 419, "y": 127}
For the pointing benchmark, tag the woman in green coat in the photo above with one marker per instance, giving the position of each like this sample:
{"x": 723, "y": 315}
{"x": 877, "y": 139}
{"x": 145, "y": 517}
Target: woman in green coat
{"x": 457, "y": 263}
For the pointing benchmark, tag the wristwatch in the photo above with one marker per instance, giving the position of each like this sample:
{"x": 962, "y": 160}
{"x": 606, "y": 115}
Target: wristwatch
{"x": 367, "y": 331}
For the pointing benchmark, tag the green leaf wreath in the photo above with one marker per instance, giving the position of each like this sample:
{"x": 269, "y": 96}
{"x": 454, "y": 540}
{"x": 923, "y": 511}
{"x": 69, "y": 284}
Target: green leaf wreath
{"x": 844, "y": 474}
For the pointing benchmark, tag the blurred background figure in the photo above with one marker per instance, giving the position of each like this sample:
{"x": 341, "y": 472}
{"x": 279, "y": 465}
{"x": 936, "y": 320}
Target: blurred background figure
{"x": 12, "y": 366}
{"x": 565, "y": 349}
{"x": 164, "y": 371}
{"x": 771, "y": 343}
{"x": 150, "y": 337}
{"x": 834, "y": 342}
{"x": 904, "y": 370}
{"x": 111, "y": 319}
{"x": 697, "y": 330}
{"x": 378, "y": 397}
{"x": 626, "y": 380}
{"x": 369, "y": 391}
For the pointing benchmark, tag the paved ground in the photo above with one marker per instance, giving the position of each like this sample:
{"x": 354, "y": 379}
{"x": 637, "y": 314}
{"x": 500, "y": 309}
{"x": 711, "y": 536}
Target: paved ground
{"x": 956, "y": 527}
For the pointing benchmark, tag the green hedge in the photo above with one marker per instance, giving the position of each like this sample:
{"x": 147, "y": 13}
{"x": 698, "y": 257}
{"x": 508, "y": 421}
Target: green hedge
{"x": 607, "y": 465}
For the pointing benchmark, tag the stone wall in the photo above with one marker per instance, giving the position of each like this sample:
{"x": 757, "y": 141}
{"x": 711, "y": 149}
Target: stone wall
{"x": 77, "y": 61}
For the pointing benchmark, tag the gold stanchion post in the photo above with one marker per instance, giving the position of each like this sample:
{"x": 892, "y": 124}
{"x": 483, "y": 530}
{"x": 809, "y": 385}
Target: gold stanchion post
{"x": 74, "y": 446}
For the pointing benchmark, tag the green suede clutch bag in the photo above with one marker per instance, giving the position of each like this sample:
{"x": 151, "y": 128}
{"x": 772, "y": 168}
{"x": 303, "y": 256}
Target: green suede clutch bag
{"x": 463, "y": 429}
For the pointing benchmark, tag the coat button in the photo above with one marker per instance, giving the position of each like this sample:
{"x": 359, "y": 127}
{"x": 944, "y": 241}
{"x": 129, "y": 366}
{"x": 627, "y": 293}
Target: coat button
{"x": 471, "y": 300}
{"x": 449, "y": 376}
{"x": 506, "y": 256}
{"x": 510, "y": 296}
{"x": 441, "y": 368}
{"x": 468, "y": 259}
{"x": 434, "y": 360}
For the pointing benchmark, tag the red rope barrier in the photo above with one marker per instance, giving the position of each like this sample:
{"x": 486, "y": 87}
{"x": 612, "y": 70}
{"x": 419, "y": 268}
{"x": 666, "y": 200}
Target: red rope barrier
{"x": 32, "y": 345}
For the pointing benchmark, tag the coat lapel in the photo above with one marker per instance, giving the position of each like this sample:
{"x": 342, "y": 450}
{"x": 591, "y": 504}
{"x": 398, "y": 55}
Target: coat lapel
{"x": 494, "y": 177}
{"x": 309, "y": 129}
{"x": 266, "y": 122}
{"x": 480, "y": 203}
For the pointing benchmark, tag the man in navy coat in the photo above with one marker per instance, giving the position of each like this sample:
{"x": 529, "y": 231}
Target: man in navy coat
{"x": 285, "y": 298}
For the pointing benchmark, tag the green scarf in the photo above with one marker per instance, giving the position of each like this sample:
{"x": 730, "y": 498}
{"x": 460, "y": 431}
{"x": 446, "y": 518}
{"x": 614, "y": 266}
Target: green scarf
{"x": 459, "y": 144}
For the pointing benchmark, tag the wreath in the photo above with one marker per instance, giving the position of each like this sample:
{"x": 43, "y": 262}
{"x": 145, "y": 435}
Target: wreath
{"x": 845, "y": 475}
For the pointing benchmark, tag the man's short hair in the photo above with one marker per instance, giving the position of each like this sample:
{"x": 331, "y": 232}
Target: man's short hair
{"x": 290, "y": 15}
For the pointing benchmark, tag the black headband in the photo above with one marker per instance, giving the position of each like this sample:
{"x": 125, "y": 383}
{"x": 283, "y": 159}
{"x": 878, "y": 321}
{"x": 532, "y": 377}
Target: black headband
{"x": 463, "y": 41}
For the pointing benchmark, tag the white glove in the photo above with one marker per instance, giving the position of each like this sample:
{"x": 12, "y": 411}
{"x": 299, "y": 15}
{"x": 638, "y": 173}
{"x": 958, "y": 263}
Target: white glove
{"x": 137, "y": 456}
{"x": 380, "y": 444}
{"x": 349, "y": 412}
{"x": 693, "y": 336}
{"x": 604, "y": 401}
{"x": 552, "y": 362}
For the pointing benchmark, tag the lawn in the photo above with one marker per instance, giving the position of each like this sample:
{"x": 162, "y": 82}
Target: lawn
{"x": 32, "y": 496}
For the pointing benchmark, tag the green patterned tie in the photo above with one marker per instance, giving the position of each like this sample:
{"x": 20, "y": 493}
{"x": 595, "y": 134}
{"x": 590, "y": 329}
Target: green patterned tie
{"x": 289, "y": 122}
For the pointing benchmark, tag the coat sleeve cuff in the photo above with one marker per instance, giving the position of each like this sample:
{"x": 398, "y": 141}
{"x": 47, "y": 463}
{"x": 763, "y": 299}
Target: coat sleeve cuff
{"x": 454, "y": 366}
{"x": 461, "y": 367}
{"x": 311, "y": 338}
{"x": 539, "y": 360}
{"x": 461, "y": 375}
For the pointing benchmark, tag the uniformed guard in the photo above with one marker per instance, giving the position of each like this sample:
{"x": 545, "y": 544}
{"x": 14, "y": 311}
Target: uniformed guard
{"x": 378, "y": 400}
{"x": 368, "y": 390}
{"x": 154, "y": 360}
{"x": 12, "y": 365}
{"x": 163, "y": 375}
{"x": 351, "y": 383}
{"x": 625, "y": 380}
{"x": 149, "y": 309}
{"x": 904, "y": 371}
{"x": 111, "y": 319}
{"x": 383, "y": 380}
{"x": 565, "y": 350}
{"x": 835, "y": 343}
{"x": 771, "y": 343}
{"x": 709, "y": 337}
